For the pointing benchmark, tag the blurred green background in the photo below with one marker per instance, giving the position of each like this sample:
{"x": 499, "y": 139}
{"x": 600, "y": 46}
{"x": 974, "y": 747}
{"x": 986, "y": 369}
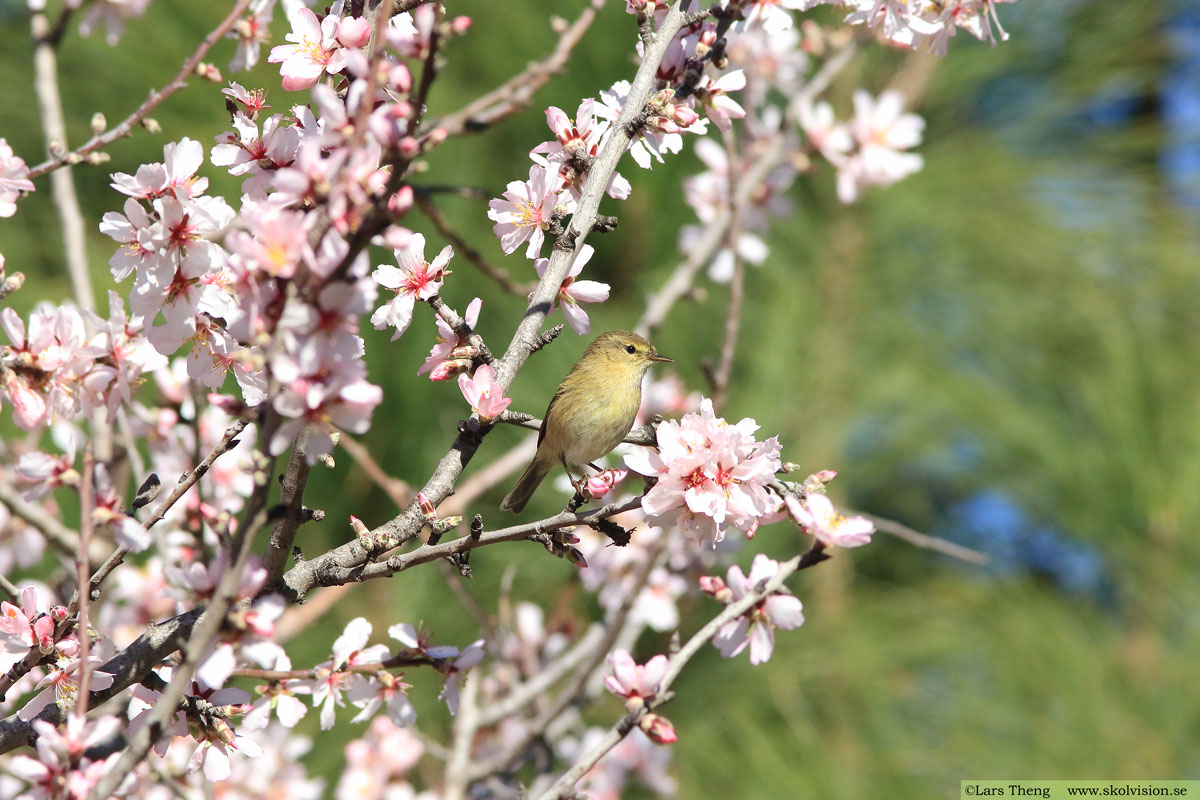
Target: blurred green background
{"x": 1000, "y": 350}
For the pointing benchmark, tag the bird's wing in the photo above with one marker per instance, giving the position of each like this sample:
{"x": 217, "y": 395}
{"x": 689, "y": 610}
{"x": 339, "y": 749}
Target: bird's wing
{"x": 546, "y": 416}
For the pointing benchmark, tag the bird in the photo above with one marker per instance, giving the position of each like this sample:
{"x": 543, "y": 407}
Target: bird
{"x": 591, "y": 412}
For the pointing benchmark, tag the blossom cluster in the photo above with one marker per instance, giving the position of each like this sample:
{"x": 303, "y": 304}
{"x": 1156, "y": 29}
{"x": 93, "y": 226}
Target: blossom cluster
{"x": 710, "y": 475}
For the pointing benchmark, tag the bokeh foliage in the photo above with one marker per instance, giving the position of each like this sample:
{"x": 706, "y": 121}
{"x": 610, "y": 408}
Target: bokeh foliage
{"x": 1000, "y": 350}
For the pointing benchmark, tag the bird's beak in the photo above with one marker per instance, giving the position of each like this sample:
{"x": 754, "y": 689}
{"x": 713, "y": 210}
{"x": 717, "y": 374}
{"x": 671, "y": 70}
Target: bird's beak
{"x": 662, "y": 358}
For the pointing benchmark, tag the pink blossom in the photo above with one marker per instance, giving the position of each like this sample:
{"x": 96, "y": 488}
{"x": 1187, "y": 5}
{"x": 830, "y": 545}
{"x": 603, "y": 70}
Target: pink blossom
{"x": 658, "y": 729}
{"x": 574, "y": 292}
{"x": 629, "y": 680}
{"x": 816, "y": 514}
{"x": 708, "y": 468}
{"x": 415, "y": 279}
{"x": 881, "y": 131}
{"x": 13, "y": 179}
{"x": 314, "y": 51}
{"x": 575, "y": 143}
{"x": 251, "y": 32}
{"x": 465, "y": 661}
{"x": 349, "y": 649}
{"x": 524, "y": 213}
{"x": 448, "y": 357}
{"x": 383, "y": 689}
{"x": 720, "y": 107}
{"x": 481, "y": 391}
{"x": 602, "y": 483}
{"x": 757, "y": 626}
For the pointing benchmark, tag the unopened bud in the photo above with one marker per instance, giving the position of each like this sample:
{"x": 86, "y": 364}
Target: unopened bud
{"x": 361, "y": 532}
{"x": 98, "y": 158}
{"x": 461, "y": 25}
{"x": 449, "y": 369}
{"x": 208, "y": 72}
{"x": 151, "y": 125}
{"x": 74, "y": 158}
{"x": 99, "y": 123}
{"x": 658, "y": 729}
{"x": 426, "y": 506}
{"x": 354, "y": 32}
{"x": 716, "y": 588}
{"x": 400, "y": 203}
{"x": 409, "y": 147}
{"x": 575, "y": 557}
{"x": 12, "y": 283}
{"x": 436, "y": 137}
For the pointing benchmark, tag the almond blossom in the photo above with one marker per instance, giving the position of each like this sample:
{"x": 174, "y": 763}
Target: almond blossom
{"x": 757, "y": 626}
{"x": 573, "y": 292}
{"x": 349, "y": 649}
{"x": 710, "y": 469}
{"x": 881, "y": 131}
{"x": 524, "y": 212}
{"x": 415, "y": 279}
{"x": 481, "y": 391}
{"x": 450, "y": 355}
{"x": 315, "y": 49}
{"x": 13, "y": 179}
{"x": 816, "y": 514}
{"x": 632, "y": 681}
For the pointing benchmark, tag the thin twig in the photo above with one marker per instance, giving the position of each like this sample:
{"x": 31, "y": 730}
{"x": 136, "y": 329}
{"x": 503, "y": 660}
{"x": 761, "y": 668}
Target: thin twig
{"x": 202, "y": 635}
{"x": 570, "y": 694}
{"x": 461, "y": 247}
{"x": 82, "y": 568}
{"x": 522, "y": 695}
{"x": 733, "y": 317}
{"x": 924, "y": 540}
{"x": 156, "y": 98}
{"x": 291, "y": 500}
{"x": 564, "y": 786}
{"x": 517, "y": 92}
{"x": 62, "y": 538}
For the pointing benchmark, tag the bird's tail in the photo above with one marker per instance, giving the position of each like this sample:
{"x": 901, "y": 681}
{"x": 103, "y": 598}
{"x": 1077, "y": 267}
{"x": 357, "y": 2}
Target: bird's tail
{"x": 516, "y": 499}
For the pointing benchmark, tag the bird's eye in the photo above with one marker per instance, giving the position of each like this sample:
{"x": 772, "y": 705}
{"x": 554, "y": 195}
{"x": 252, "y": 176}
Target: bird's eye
{"x": 630, "y": 349}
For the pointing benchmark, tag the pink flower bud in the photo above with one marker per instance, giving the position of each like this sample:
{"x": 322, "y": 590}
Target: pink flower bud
{"x": 576, "y": 558}
{"x": 354, "y": 32}
{"x": 59, "y": 613}
{"x": 208, "y": 72}
{"x": 449, "y": 369}
{"x": 599, "y": 485}
{"x": 685, "y": 116}
{"x": 409, "y": 147}
{"x": 46, "y": 645}
{"x": 658, "y": 729}
{"x": 436, "y": 137}
{"x": 400, "y": 203}
{"x": 395, "y": 237}
{"x": 716, "y": 588}
{"x": 460, "y": 25}
{"x": 357, "y": 526}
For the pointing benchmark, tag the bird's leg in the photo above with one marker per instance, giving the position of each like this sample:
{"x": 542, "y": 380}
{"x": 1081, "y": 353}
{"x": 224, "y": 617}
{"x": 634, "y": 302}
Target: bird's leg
{"x": 579, "y": 499}
{"x": 578, "y": 484}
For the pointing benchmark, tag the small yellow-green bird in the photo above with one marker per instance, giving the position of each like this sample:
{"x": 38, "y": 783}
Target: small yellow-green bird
{"x": 592, "y": 410}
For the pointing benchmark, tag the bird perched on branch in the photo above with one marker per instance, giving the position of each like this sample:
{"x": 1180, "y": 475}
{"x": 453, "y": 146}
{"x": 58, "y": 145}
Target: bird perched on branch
{"x": 591, "y": 412}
